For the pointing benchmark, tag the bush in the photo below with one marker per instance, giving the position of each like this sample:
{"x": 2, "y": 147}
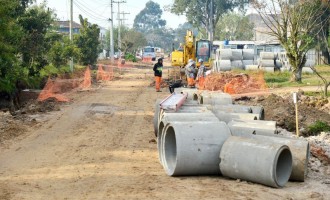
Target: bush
{"x": 318, "y": 127}
{"x": 130, "y": 57}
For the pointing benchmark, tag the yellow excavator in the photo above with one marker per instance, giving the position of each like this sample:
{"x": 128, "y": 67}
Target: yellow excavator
{"x": 192, "y": 49}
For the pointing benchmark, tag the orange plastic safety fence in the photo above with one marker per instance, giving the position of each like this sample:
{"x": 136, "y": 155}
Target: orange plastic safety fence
{"x": 50, "y": 91}
{"x": 104, "y": 75}
{"x": 87, "y": 83}
{"x": 147, "y": 59}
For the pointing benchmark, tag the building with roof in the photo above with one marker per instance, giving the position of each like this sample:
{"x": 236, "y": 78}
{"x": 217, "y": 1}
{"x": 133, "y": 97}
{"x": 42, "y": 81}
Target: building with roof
{"x": 64, "y": 27}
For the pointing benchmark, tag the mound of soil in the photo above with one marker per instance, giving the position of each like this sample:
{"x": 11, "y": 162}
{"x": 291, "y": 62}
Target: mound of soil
{"x": 234, "y": 83}
{"x": 282, "y": 110}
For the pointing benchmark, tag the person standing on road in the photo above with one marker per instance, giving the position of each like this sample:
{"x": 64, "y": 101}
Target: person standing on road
{"x": 201, "y": 75}
{"x": 190, "y": 72}
{"x": 158, "y": 69}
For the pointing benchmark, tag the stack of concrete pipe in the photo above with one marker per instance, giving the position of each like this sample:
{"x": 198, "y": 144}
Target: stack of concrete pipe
{"x": 224, "y": 60}
{"x": 216, "y": 137}
{"x": 248, "y": 60}
{"x": 267, "y": 61}
{"x": 236, "y": 60}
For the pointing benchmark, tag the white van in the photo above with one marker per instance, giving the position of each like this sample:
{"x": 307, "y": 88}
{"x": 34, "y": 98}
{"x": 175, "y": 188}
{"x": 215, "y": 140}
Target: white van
{"x": 149, "y": 52}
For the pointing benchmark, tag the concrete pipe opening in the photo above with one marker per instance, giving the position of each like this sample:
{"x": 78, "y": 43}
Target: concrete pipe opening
{"x": 193, "y": 148}
{"x": 170, "y": 150}
{"x": 195, "y": 97}
{"x": 283, "y": 166}
{"x": 256, "y": 160}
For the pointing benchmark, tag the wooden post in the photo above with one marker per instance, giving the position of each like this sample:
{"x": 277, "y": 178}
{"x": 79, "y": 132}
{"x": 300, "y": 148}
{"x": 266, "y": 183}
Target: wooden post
{"x": 295, "y": 101}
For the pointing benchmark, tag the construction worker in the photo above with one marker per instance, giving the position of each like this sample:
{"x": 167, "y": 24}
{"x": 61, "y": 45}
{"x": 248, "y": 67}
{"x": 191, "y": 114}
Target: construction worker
{"x": 158, "y": 69}
{"x": 201, "y": 75}
{"x": 190, "y": 72}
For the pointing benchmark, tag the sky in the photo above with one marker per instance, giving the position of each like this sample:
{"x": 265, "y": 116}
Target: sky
{"x": 98, "y": 11}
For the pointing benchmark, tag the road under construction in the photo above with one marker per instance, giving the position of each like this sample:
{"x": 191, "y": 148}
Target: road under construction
{"x": 102, "y": 145}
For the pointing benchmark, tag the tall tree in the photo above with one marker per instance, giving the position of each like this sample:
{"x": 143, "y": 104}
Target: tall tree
{"x": 234, "y": 26}
{"x": 11, "y": 34}
{"x": 88, "y": 42}
{"x": 36, "y": 21}
{"x": 294, "y": 24}
{"x": 205, "y": 13}
{"x": 132, "y": 40}
{"x": 149, "y": 18}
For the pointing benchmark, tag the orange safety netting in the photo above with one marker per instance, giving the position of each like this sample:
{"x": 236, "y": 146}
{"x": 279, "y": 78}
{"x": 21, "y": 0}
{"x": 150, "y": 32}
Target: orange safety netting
{"x": 87, "y": 83}
{"x": 232, "y": 83}
{"x": 56, "y": 88}
{"x": 104, "y": 75}
{"x": 147, "y": 59}
{"x": 50, "y": 91}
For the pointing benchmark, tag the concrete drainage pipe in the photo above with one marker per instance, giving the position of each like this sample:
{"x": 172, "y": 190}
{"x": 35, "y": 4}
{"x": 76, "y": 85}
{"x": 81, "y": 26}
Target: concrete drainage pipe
{"x": 156, "y": 116}
{"x": 257, "y": 161}
{"x": 180, "y": 117}
{"x": 258, "y": 110}
{"x": 215, "y": 98}
{"x": 193, "y": 149}
{"x": 228, "y": 117}
{"x": 230, "y": 108}
{"x": 299, "y": 150}
{"x": 257, "y": 127}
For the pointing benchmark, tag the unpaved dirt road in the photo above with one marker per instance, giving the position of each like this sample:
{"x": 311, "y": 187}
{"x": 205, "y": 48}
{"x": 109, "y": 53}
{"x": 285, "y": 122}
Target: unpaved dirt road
{"x": 100, "y": 147}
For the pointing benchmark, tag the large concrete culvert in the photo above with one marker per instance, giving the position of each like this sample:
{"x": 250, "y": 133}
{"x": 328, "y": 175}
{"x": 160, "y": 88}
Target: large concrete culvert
{"x": 193, "y": 148}
{"x": 261, "y": 162}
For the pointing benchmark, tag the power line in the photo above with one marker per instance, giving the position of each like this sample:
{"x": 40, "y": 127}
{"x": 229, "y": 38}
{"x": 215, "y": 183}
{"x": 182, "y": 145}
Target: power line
{"x": 88, "y": 13}
{"x": 124, "y": 19}
{"x": 119, "y": 26}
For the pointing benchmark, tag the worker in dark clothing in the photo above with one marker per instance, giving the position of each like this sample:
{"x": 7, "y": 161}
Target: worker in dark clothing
{"x": 158, "y": 69}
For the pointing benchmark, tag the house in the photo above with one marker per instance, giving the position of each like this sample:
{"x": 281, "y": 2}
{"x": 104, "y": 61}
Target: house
{"x": 64, "y": 27}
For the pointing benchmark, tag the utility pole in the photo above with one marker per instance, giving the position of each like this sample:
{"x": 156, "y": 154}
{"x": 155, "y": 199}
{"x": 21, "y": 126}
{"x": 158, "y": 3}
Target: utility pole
{"x": 119, "y": 26}
{"x": 111, "y": 32}
{"x": 123, "y": 18}
{"x": 211, "y": 22}
{"x": 71, "y": 33}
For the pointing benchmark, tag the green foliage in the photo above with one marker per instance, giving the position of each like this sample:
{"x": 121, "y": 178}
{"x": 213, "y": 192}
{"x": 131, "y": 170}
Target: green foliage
{"x": 35, "y": 22}
{"x": 61, "y": 51}
{"x": 318, "y": 127}
{"x": 197, "y": 11}
{"x": 234, "y": 26}
{"x": 88, "y": 42}
{"x": 132, "y": 40}
{"x": 10, "y": 36}
{"x": 149, "y": 18}
{"x": 130, "y": 57}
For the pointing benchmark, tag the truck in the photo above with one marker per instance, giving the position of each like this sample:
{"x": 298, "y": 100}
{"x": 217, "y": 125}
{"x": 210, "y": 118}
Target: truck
{"x": 149, "y": 52}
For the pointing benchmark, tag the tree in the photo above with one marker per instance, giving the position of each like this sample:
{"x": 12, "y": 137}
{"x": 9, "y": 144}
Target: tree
{"x": 88, "y": 42}
{"x": 149, "y": 18}
{"x": 61, "y": 50}
{"x": 294, "y": 24}
{"x": 234, "y": 26}
{"x": 205, "y": 13}
{"x": 11, "y": 34}
{"x": 132, "y": 40}
{"x": 36, "y": 21}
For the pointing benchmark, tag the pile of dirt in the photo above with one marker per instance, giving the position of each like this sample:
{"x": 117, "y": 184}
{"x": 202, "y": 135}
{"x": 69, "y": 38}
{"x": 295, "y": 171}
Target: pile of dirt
{"x": 282, "y": 110}
{"x": 235, "y": 83}
{"x": 34, "y": 107}
{"x": 17, "y": 123}
{"x": 10, "y": 126}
